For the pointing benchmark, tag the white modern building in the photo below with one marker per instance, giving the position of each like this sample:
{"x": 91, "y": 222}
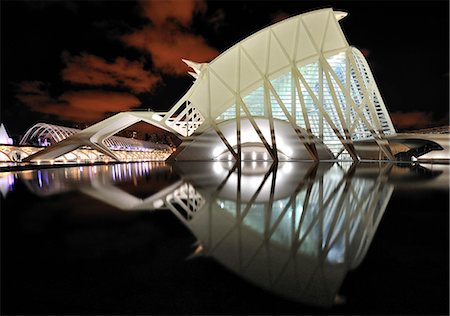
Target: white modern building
{"x": 295, "y": 90}
{"x": 41, "y": 135}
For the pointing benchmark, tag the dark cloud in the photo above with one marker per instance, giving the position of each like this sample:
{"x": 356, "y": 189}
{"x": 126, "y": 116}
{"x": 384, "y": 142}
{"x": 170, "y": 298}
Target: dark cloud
{"x": 31, "y": 87}
{"x": 93, "y": 70}
{"x": 85, "y": 106}
{"x": 217, "y": 19}
{"x": 416, "y": 120}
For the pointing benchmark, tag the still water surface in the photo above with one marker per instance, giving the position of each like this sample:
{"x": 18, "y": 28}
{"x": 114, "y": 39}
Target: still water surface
{"x": 209, "y": 238}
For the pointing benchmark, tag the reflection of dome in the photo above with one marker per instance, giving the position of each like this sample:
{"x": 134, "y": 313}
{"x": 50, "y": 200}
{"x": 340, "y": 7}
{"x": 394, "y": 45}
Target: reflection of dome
{"x": 253, "y": 174}
{"x": 251, "y": 180}
{"x": 250, "y": 152}
{"x": 299, "y": 245}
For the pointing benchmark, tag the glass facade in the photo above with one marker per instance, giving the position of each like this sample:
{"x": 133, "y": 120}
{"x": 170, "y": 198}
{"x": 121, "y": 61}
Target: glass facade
{"x": 348, "y": 77}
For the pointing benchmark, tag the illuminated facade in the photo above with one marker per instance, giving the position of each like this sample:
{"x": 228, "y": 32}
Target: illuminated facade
{"x": 295, "y": 90}
{"x": 300, "y": 73}
{"x": 41, "y": 134}
{"x": 47, "y": 134}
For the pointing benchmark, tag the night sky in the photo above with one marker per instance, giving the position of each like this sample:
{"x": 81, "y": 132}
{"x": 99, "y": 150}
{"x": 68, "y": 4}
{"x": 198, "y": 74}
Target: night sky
{"x": 75, "y": 63}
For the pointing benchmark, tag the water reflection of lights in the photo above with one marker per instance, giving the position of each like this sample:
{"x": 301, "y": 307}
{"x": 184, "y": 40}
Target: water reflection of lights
{"x": 40, "y": 178}
{"x": 276, "y": 235}
{"x": 57, "y": 180}
{"x": 6, "y": 183}
{"x": 293, "y": 228}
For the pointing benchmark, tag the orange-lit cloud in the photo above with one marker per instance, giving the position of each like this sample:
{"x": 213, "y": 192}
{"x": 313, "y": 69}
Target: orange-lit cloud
{"x": 168, "y": 38}
{"x": 93, "y": 70}
{"x": 169, "y": 45}
{"x": 82, "y": 106}
{"x": 412, "y": 120}
{"x": 181, "y": 11}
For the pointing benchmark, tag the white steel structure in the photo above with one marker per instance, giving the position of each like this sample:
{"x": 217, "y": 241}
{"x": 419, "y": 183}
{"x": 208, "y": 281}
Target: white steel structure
{"x": 42, "y": 134}
{"x": 58, "y": 133}
{"x": 294, "y": 90}
{"x": 301, "y": 71}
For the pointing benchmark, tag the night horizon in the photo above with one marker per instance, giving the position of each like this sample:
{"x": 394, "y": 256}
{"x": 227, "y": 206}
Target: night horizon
{"x": 76, "y": 63}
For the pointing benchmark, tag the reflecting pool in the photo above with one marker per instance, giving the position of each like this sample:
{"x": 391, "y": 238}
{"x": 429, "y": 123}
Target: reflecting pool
{"x": 226, "y": 238}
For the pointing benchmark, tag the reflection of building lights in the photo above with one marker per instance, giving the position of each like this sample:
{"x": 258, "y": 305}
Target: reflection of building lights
{"x": 288, "y": 151}
{"x": 40, "y": 178}
{"x": 286, "y": 168}
{"x": 6, "y": 183}
{"x": 217, "y": 168}
{"x": 158, "y": 203}
{"x": 217, "y": 151}
{"x": 253, "y": 155}
{"x": 265, "y": 157}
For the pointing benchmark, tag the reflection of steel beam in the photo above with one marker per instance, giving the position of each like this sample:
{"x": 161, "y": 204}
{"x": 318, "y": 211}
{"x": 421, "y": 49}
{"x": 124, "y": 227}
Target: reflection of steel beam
{"x": 118, "y": 198}
{"x": 250, "y": 203}
{"x": 320, "y": 226}
{"x": 188, "y": 200}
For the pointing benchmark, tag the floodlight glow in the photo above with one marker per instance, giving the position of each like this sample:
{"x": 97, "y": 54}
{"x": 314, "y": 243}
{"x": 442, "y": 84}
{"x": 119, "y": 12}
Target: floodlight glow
{"x": 217, "y": 151}
{"x": 217, "y": 168}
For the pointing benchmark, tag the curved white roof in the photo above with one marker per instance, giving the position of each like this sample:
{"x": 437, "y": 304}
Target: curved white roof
{"x": 273, "y": 50}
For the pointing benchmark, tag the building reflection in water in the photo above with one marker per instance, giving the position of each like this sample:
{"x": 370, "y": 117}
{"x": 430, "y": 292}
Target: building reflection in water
{"x": 295, "y": 229}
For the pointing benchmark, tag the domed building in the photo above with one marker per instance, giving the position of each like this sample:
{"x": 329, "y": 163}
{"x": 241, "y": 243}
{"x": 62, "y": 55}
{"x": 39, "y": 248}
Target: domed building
{"x": 295, "y": 90}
